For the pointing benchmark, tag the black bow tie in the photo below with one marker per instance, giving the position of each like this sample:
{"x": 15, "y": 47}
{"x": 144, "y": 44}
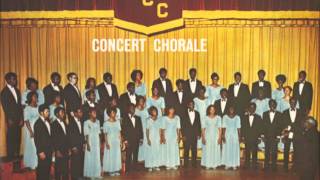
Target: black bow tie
{"x": 223, "y": 100}
{"x": 193, "y": 80}
{"x": 191, "y": 110}
{"x": 293, "y": 109}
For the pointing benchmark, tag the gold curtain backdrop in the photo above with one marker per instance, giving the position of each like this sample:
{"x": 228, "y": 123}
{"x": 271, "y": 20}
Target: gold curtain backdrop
{"x": 38, "y": 47}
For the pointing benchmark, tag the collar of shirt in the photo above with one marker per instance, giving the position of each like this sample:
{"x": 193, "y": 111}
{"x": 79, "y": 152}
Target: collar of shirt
{"x": 192, "y": 80}
{"x": 130, "y": 95}
{"x": 224, "y": 100}
{"x": 42, "y": 118}
{"x": 55, "y": 87}
{"x": 62, "y": 125}
{"x": 189, "y": 110}
{"x": 237, "y": 84}
{"x": 91, "y": 104}
{"x": 107, "y": 84}
{"x": 302, "y": 82}
{"x": 9, "y": 86}
{"x": 164, "y": 79}
{"x": 292, "y": 109}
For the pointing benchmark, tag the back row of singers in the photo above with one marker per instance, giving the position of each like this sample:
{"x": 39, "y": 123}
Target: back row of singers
{"x": 162, "y": 95}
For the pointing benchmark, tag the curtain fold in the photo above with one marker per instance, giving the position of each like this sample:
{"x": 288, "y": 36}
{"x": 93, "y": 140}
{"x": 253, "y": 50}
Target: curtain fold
{"x": 37, "y": 48}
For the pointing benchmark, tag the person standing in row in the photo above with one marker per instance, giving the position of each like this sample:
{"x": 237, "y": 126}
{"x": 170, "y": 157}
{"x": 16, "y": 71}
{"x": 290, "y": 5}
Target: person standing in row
{"x": 179, "y": 99}
{"x": 192, "y": 85}
{"x": 140, "y": 87}
{"x": 107, "y": 90}
{"x": 222, "y": 105}
{"x": 10, "y": 100}
{"x": 278, "y": 93}
{"x": 54, "y": 86}
{"x": 32, "y": 86}
{"x": 157, "y": 101}
{"x": 56, "y": 103}
{"x": 164, "y": 85}
{"x": 90, "y": 85}
{"x": 213, "y": 90}
{"x": 261, "y": 83}
{"x": 44, "y": 143}
{"x": 127, "y": 98}
{"x": 142, "y": 112}
{"x": 71, "y": 93}
{"x": 303, "y": 92}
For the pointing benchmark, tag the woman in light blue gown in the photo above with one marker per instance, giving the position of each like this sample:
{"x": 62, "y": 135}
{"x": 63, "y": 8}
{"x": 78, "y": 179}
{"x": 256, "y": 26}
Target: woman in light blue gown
{"x": 32, "y": 86}
{"x": 154, "y": 133}
{"x": 56, "y": 103}
{"x": 112, "y": 151}
{"x": 278, "y": 93}
{"x": 213, "y": 90}
{"x": 171, "y": 126}
{"x": 262, "y": 103}
{"x": 231, "y": 124}
{"x": 90, "y": 85}
{"x": 157, "y": 101}
{"x": 140, "y": 87}
{"x": 31, "y": 115}
{"x": 113, "y": 104}
{"x": 142, "y": 112}
{"x": 284, "y": 102}
{"x": 91, "y": 129}
{"x": 211, "y": 139}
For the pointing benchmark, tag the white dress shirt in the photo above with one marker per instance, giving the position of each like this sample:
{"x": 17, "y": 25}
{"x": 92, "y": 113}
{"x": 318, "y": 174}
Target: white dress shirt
{"x": 293, "y": 114}
{"x": 78, "y": 124}
{"x": 56, "y": 88}
{"x": 133, "y": 120}
{"x": 251, "y": 117}
{"x": 271, "y": 115}
{"x": 132, "y": 98}
{"x": 47, "y": 124}
{"x": 164, "y": 84}
{"x": 62, "y": 125}
{"x": 223, "y": 104}
{"x": 13, "y": 91}
{"x": 236, "y": 89}
{"x": 180, "y": 95}
{"x": 109, "y": 88}
{"x": 261, "y": 83}
{"x": 301, "y": 87}
{"x": 91, "y": 104}
{"x": 193, "y": 85}
{"x": 192, "y": 116}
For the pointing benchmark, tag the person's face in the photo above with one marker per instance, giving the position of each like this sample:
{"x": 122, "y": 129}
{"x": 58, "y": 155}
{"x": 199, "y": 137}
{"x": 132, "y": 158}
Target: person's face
{"x": 131, "y": 109}
{"x": 57, "y": 99}
{"x": 293, "y": 103}
{"x": 212, "y": 110}
{"x": 237, "y": 78}
{"x": 307, "y": 125}
{"x": 112, "y": 114}
{"x": 45, "y": 114}
{"x": 154, "y": 113}
{"x": 252, "y": 109}
{"x": 141, "y": 102}
{"x": 193, "y": 74}
{"x": 224, "y": 94}
{"x": 61, "y": 115}
{"x": 202, "y": 92}
{"x": 74, "y": 79}
{"x": 93, "y": 114}
{"x": 171, "y": 112}
{"x": 215, "y": 80}
{"x": 155, "y": 92}
{"x": 114, "y": 102}
{"x": 78, "y": 114}
{"x": 180, "y": 86}
{"x": 34, "y": 99}
{"x": 56, "y": 80}
{"x": 272, "y": 105}
{"x": 260, "y": 94}
{"x": 33, "y": 86}
{"x": 12, "y": 81}
{"x": 231, "y": 111}
{"x": 92, "y": 84}
{"x": 138, "y": 77}
{"x": 191, "y": 105}
{"x": 287, "y": 91}
{"x": 92, "y": 97}
{"x": 261, "y": 76}
{"x": 131, "y": 89}
{"x": 280, "y": 83}
{"x": 108, "y": 80}
{"x": 302, "y": 77}
{"x": 163, "y": 74}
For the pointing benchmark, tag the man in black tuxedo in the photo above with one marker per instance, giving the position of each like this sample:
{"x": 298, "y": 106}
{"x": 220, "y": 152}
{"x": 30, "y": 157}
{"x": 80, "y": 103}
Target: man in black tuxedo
{"x": 222, "y": 105}
{"x": 44, "y": 143}
{"x": 127, "y": 98}
{"x": 192, "y": 85}
{"x": 191, "y": 132}
{"x": 240, "y": 94}
{"x": 272, "y": 132}
{"x": 265, "y": 85}
{"x": 72, "y": 94}
{"x": 251, "y": 130}
{"x": 76, "y": 143}
{"x": 179, "y": 99}
{"x": 60, "y": 144}
{"x": 107, "y": 90}
{"x": 53, "y": 87}
{"x": 10, "y": 100}
{"x": 292, "y": 120}
{"x": 133, "y": 136}
{"x": 164, "y": 85}
{"x": 303, "y": 92}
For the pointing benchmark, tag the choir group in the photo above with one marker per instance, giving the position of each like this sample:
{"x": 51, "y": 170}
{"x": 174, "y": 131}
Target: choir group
{"x": 64, "y": 124}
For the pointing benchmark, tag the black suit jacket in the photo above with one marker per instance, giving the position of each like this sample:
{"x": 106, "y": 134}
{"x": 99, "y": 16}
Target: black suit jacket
{"x": 75, "y": 137}
{"x": 42, "y": 138}
{"x": 251, "y": 134}
{"x": 12, "y": 109}
{"x": 48, "y": 94}
{"x": 188, "y": 91}
{"x": 124, "y": 102}
{"x": 266, "y": 89}
{"x": 305, "y": 99}
{"x": 85, "y": 110}
{"x": 130, "y": 133}
{"x": 272, "y": 130}
{"x": 105, "y": 98}
{"x": 179, "y": 107}
{"x": 217, "y": 105}
{"x": 59, "y": 138}
{"x": 165, "y": 94}
{"x": 241, "y": 102}
{"x": 296, "y": 126}
{"x": 72, "y": 98}
{"x": 188, "y": 130}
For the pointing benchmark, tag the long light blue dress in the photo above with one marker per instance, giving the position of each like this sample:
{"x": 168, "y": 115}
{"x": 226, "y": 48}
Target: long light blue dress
{"x": 52, "y": 107}
{"x": 158, "y": 103}
{"x": 284, "y": 105}
{"x": 153, "y": 157}
{"x": 277, "y": 95}
{"x": 211, "y": 152}
{"x": 106, "y": 117}
{"x": 30, "y": 158}
{"x": 262, "y": 105}
{"x": 143, "y": 114}
{"x": 213, "y": 93}
{"x": 231, "y": 148}
{"x": 84, "y": 97}
{"x": 201, "y": 106}
{"x": 92, "y": 164}
{"x": 141, "y": 90}
{"x": 171, "y": 126}
{"x": 25, "y": 94}
{"x": 112, "y": 156}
